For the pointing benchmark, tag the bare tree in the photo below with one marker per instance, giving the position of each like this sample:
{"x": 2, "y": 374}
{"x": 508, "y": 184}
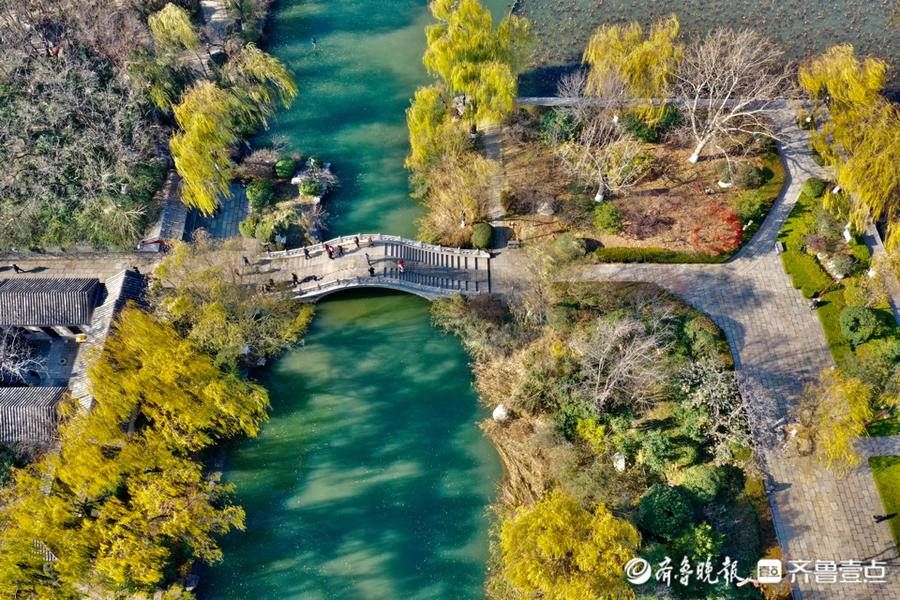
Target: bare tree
{"x": 598, "y": 149}
{"x": 729, "y": 82}
{"x": 16, "y": 356}
{"x": 625, "y": 361}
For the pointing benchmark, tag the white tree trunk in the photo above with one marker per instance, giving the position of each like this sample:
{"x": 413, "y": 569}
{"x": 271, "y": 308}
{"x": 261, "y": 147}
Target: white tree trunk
{"x": 601, "y": 188}
{"x": 695, "y": 156}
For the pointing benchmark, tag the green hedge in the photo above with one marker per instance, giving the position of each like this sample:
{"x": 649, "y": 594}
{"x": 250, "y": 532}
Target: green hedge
{"x": 482, "y": 235}
{"x": 654, "y": 255}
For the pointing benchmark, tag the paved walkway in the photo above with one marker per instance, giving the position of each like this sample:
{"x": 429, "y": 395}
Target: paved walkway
{"x": 778, "y": 345}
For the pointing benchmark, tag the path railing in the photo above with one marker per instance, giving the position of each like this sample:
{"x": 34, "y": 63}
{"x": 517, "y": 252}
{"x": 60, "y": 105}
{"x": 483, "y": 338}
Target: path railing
{"x": 367, "y": 240}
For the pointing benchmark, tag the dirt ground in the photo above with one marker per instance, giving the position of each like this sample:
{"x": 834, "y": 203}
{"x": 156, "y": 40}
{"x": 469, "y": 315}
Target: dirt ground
{"x": 661, "y": 212}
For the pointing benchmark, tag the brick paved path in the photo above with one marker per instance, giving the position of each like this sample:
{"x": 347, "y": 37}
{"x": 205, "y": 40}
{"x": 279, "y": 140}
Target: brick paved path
{"x": 778, "y": 345}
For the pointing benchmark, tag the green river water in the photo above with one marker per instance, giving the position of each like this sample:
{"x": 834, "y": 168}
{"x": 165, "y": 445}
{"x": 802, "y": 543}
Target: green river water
{"x": 371, "y": 479}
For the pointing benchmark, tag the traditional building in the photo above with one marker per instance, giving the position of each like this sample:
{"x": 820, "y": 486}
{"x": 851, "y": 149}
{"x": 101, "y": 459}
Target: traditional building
{"x": 64, "y": 317}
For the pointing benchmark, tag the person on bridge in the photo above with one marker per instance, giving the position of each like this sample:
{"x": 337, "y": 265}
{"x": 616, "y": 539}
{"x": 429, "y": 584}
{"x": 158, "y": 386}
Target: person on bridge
{"x": 305, "y": 252}
{"x": 368, "y": 260}
{"x": 371, "y": 271}
{"x": 330, "y": 251}
{"x": 246, "y": 261}
{"x": 294, "y": 279}
{"x": 401, "y": 265}
{"x": 356, "y": 241}
{"x": 340, "y": 250}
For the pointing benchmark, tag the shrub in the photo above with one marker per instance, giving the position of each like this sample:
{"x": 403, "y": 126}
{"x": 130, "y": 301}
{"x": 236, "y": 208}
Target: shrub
{"x": 700, "y": 542}
{"x": 568, "y": 247}
{"x": 560, "y": 317}
{"x": 702, "y": 482}
{"x": 878, "y": 359}
{"x": 843, "y": 265}
{"x": 748, "y": 176}
{"x": 606, "y": 218}
{"x": 265, "y": 230}
{"x": 260, "y": 193}
{"x": 248, "y": 225}
{"x": 664, "y": 512}
{"x": 767, "y": 144}
{"x": 685, "y": 455}
{"x": 856, "y": 291}
{"x": 816, "y": 243}
{"x": 655, "y": 450}
{"x": 311, "y": 187}
{"x": 482, "y": 235}
{"x": 827, "y": 226}
{"x": 571, "y": 412}
{"x": 702, "y": 335}
{"x": 285, "y": 167}
{"x": 813, "y": 187}
{"x": 636, "y": 127}
{"x": 750, "y": 205}
{"x": 556, "y": 127}
{"x": 817, "y": 158}
{"x": 653, "y": 255}
{"x": 858, "y": 324}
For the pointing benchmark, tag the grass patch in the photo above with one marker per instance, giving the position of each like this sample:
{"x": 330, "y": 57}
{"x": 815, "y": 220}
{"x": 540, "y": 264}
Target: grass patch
{"x": 829, "y": 312}
{"x": 886, "y": 471}
{"x": 889, "y": 426}
{"x": 805, "y": 272}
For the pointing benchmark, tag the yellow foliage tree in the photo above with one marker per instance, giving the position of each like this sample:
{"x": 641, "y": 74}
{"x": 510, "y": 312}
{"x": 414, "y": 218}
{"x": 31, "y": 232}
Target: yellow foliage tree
{"x": 172, "y": 29}
{"x": 836, "y": 409}
{"x": 123, "y": 496}
{"x": 859, "y": 136}
{"x": 475, "y": 59}
{"x": 212, "y": 119}
{"x": 644, "y": 66}
{"x": 563, "y": 552}
{"x": 196, "y": 290}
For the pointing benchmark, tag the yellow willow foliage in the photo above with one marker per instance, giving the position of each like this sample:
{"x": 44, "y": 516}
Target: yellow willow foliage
{"x": 869, "y": 169}
{"x": 645, "y": 66}
{"x": 842, "y": 411}
{"x": 560, "y": 550}
{"x": 202, "y": 150}
{"x": 261, "y": 82}
{"x": 473, "y": 58}
{"x": 847, "y": 82}
{"x": 148, "y": 369}
{"x": 172, "y": 29}
{"x": 426, "y": 119}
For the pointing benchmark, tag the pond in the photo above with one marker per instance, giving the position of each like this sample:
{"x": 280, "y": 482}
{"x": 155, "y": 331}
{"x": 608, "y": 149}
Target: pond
{"x": 801, "y": 28}
{"x": 371, "y": 479}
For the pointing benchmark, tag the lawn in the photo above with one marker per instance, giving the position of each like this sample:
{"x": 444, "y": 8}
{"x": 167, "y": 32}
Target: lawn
{"x": 886, "y": 470}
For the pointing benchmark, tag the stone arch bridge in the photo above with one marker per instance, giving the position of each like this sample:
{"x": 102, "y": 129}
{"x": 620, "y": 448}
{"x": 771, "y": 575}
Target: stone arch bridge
{"x": 376, "y": 260}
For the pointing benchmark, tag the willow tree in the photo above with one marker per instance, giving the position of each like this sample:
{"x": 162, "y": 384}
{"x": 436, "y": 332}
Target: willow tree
{"x": 202, "y": 149}
{"x": 260, "y": 82}
{"x": 213, "y": 118}
{"x": 858, "y": 136}
{"x": 645, "y": 66}
{"x": 559, "y": 550}
{"x": 172, "y": 30}
{"x": 476, "y": 60}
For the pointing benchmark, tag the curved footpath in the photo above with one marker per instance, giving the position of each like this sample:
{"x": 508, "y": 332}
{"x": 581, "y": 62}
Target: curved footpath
{"x": 778, "y": 346}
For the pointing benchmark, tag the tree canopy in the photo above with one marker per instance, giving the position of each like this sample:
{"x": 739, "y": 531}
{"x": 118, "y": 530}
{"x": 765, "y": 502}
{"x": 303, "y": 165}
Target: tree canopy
{"x": 172, "y": 29}
{"x": 560, "y": 550}
{"x": 212, "y": 118}
{"x": 645, "y": 66}
{"x": 124, "y": 496}
{"x": 858, "y": 137}
{"x": 473, "y": 58}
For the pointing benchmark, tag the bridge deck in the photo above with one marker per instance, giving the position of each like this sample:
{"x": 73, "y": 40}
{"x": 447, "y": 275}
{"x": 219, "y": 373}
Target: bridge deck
{"x": 429, "y": 271}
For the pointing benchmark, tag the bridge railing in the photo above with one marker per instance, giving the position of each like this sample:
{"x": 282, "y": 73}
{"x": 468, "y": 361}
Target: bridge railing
{"x": 354, "y": 282}
{"x": 367, "y": 240}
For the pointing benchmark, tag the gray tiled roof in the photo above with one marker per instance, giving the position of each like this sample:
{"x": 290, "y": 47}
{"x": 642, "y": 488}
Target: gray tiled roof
{"x": 45, "y": 301}
{"x": 28, "y": 414}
